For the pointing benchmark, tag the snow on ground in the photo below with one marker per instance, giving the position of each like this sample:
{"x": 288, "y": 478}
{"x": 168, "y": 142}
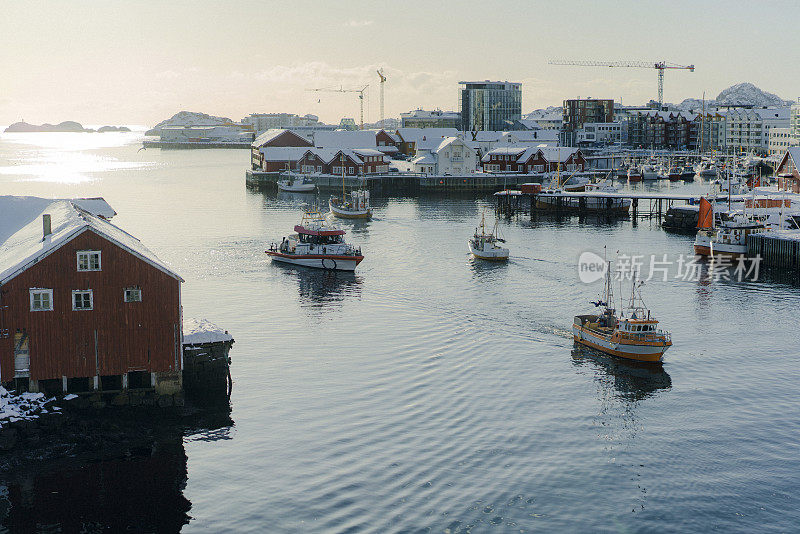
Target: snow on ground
{"x": 25, "y": 406}
{"x": 196, "y": 331}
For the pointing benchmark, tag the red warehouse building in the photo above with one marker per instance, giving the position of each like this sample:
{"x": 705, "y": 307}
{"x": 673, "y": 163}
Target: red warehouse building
{"x": 84, "y": 305}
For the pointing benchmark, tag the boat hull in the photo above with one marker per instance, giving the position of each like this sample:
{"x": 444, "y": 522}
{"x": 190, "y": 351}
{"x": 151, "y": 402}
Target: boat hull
{"x": 350, "y": 214}
{"x": 496, "y": 254}
{"x": 649, "y": 352}
{"x": 318, "y": 261}
{"x": 302, "y": 188}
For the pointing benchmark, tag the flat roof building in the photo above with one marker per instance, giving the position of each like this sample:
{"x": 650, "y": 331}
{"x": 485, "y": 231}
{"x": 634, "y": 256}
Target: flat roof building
{"x": 489, "y": 105}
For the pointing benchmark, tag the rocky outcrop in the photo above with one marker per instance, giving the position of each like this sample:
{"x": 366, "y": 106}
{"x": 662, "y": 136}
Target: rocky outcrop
{"x": 188, "y": 118}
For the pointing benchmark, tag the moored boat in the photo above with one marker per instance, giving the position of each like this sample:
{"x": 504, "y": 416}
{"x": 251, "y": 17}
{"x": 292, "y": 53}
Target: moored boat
{"x": 485, "y": 246}
{"x": 296, "y": 184}
{"x": 633, "y": 334}
{"x": 316, "y": 244}
{"x": 634, "y": 174}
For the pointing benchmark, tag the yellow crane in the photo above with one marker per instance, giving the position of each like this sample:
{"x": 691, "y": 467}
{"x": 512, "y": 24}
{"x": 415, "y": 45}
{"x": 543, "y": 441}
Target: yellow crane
{"x": 660, "y": 66}
{"x": 343, "y": 90}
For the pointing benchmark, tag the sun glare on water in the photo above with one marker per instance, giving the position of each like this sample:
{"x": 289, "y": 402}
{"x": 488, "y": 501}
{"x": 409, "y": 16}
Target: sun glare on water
{"x": 65, "y": 158}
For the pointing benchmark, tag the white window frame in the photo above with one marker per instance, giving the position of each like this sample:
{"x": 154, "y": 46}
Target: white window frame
{"x": 91, "y": 299}
{"x": 125, "y": 294}
{"x": 88, "y": 254}
{"x": 41, "y": 291}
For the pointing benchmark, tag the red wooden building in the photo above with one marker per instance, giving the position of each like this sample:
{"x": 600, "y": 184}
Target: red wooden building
{"x": 531, "y": 160}
{"x": 274, "y": 138}
{"x": 85, "y": 306}
{"x": 789, "y": 171}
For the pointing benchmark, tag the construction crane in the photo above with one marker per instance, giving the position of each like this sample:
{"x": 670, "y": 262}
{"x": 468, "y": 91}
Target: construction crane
{"x": 383, "y": 81}
{"x": 660, "y": 66}
{"x": 343, "y": 90}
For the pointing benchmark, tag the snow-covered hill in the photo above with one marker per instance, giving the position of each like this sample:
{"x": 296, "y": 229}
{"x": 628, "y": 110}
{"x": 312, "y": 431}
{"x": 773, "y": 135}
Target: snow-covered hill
{"x": 188, "y": 118}
{"x": 741, "y": 93}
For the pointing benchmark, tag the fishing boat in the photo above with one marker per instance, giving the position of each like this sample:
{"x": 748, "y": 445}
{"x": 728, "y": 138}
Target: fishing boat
{"x": 485, "y": 246}
{"x": 674, "y": 173}
{"x": 649, "y": 173}
{"x": 726, "y": 238}
{"x": 352, "y": 206}
{"x": 687, "y": 173}
{"x": 633, "y": 334}
{"x": 296, "y": 184}
{"x": 706, "y": 167}
{"x": 634, "y": 174}
{"x": 316, "y": 244}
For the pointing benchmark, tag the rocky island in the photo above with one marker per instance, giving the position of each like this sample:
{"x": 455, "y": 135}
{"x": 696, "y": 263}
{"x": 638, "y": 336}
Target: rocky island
{"x": 66, "y": 126}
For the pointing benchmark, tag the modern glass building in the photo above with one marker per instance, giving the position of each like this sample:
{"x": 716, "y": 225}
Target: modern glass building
{"x": 486, "y": 105}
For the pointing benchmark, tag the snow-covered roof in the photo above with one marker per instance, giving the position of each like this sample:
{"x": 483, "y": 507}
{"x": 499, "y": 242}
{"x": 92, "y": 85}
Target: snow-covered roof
{"x": 427, "y": 159}
{"x": 271, "y": 134}
{"x": 367, "y": 152}
{"x": 530, "y": 124}
{"x": 557, "y": 154}
{"x": 345, "y": 139}
{"x": 25, "y": 245}
{"x": 199, "y": 331}
{"x": 16, "y": 212}
{"x": 666, "y": 115}
{"x": 414, "y": 135}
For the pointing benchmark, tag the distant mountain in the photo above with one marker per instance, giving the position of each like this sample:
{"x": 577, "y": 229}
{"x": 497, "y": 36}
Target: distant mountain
{"x": 188, "y": 118}
{"x": 741, "y": 93}
{"x": 66, "y": 126}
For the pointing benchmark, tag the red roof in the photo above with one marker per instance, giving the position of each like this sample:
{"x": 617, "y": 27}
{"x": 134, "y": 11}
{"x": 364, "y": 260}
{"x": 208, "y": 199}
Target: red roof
{"x": 303, "y": 230}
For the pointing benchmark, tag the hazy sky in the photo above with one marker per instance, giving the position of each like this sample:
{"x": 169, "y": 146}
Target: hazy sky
{"x": 140, "y": 62}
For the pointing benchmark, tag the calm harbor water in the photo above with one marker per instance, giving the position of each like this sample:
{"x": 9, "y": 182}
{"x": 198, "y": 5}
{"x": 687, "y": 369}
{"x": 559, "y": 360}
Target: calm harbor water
{"x": 425, "y": 392}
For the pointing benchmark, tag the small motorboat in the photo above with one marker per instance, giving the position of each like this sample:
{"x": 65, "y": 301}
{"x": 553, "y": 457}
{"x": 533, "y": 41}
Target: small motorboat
{"x": 485, "y": 246}
{"x": 296, "y": 184}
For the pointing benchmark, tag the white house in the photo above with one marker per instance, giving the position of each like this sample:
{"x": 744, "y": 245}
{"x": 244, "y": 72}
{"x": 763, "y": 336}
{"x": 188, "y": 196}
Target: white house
{"x": 452, "y": 156}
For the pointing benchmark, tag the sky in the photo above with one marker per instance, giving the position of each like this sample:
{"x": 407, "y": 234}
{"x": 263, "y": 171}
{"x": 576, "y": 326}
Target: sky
{"x": 126, "y": 62}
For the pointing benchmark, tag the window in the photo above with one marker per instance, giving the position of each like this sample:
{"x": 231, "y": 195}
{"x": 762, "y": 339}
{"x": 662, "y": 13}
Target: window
{"x": 88, "y": 260}
{"x": 41, "y": 299}
{"x": 82, "y": 300}
{"x": 133, "y": 294}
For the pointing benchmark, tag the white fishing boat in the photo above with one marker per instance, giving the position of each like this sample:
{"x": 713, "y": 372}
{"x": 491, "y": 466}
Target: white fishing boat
{"x": 705, "y": 168}
{"x": 296, "y": 184}
{"x": 485, "y": 246}
{"x": 649, "y": 173}
{"x": 316, "y": 244}
{"x": 352, "y": 206}
{"x": 633, "y": 334}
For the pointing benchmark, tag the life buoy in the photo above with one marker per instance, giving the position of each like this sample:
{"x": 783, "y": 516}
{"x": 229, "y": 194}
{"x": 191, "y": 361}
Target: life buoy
{"x": 325, "y": 266}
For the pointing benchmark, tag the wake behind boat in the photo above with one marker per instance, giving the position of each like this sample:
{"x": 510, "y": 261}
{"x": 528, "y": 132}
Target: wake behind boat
{"x": 317, "y": 244}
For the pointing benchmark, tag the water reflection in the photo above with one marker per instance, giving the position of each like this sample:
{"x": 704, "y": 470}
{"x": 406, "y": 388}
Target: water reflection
{"x": 629, "y": 380}
{"x": 320, "y": 288}
{"x": 114, "y": 473}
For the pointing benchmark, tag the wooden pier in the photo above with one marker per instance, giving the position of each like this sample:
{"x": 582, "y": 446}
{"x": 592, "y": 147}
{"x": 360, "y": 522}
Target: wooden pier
{"x": 401, "y": 182}
{"x": 643, "y": 204}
